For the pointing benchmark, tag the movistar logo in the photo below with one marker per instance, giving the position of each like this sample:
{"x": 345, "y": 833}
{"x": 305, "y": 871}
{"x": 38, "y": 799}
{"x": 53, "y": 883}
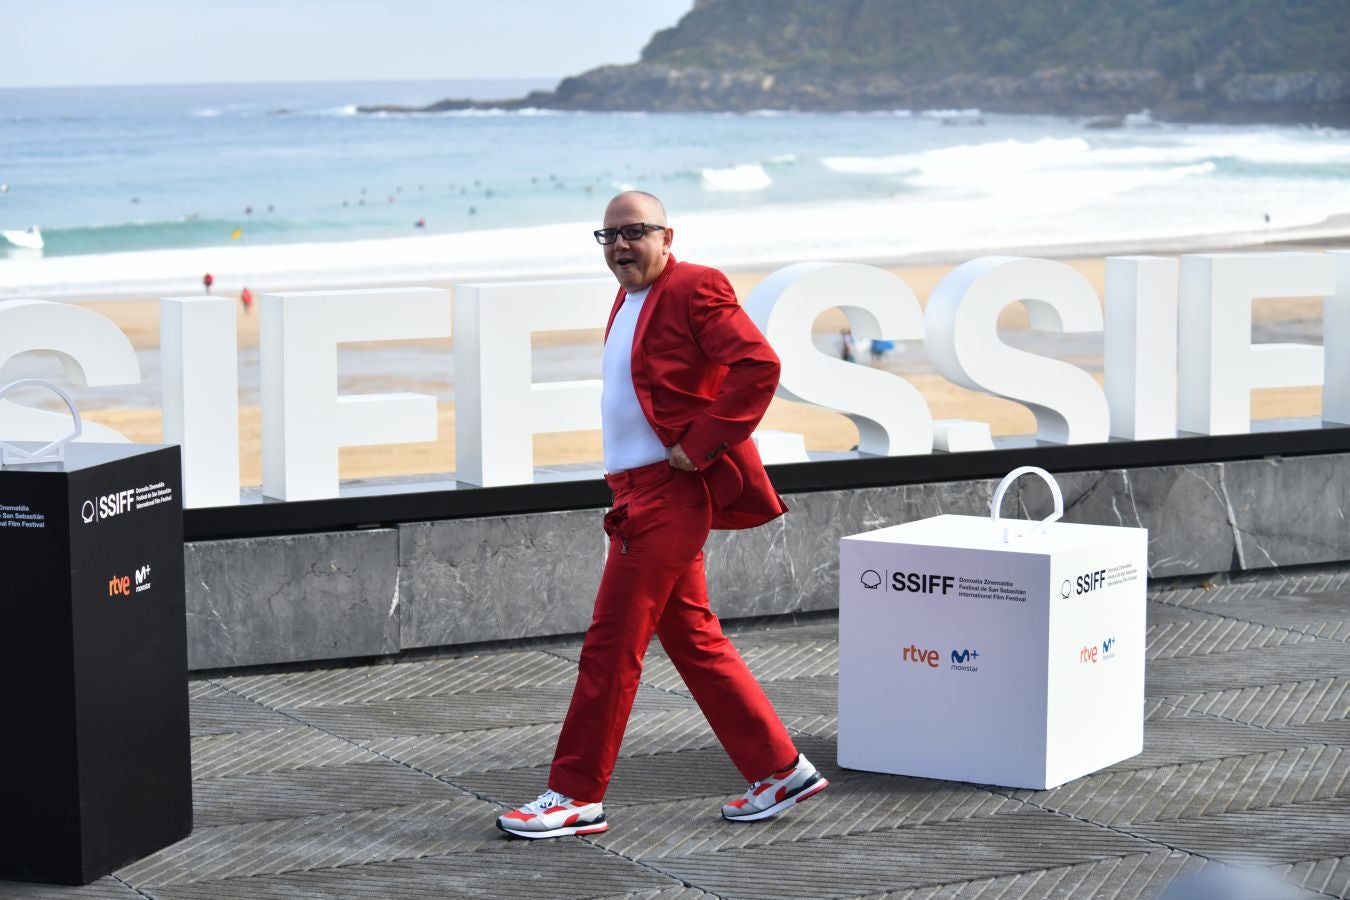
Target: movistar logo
{"x": 964, "y": 660}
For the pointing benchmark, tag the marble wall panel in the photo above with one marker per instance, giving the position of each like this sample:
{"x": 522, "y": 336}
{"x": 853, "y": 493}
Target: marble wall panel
{"x": 792, "y": 564}
{"x": 536, "y": 575}
{"x": 280, "y": 599}
{"x": 1184, "y": 509}
{"x": 500, "y": 577}
{"x": 1219, "y": 517}
{"x": 1289, "y": 510}
{"x": 254, "y": 601}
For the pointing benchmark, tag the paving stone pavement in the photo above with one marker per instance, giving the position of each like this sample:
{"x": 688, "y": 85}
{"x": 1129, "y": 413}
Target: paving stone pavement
{"x": 383, "y": 781}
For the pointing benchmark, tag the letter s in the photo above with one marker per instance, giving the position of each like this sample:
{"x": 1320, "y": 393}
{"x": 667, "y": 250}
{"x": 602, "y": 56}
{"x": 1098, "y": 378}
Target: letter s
{"x": 93, "y": 351}
{"x": 892, "y": 417}
{"x": 962, "y": 340}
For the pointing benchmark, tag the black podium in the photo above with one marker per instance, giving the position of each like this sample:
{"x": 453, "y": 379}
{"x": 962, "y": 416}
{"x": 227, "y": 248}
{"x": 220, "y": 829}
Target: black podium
{"x": 95, "y": 763}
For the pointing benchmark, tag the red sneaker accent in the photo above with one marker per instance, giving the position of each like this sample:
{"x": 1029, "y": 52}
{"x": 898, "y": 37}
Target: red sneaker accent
{"x": 553, "y": 815}
{"x": 776, "y": 792}
{"x": 822, "y": 785}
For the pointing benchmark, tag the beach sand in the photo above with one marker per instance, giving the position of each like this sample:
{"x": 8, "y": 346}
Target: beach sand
{"x": 823, "y": 429}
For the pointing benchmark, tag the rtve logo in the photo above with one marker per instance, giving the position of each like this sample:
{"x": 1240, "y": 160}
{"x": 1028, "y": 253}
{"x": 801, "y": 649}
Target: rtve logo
{"x": 915, "y": 655}
{"x": 119, "y": 585}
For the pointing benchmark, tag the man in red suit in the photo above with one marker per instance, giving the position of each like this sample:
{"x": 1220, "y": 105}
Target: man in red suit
{"x": 687, "y": 377}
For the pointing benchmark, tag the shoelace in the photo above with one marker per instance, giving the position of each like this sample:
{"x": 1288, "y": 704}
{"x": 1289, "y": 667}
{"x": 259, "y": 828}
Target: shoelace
{"x": 750, "y": 791}
{"x": 755, "y": 786}
{"x": 547, "y": 799}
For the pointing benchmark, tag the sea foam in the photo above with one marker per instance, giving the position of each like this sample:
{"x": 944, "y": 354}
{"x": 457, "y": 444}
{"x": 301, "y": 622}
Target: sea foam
{"x": 749, "y": 177}
{"x": 966, "y": 161}
{"x": 1122, "y": 211}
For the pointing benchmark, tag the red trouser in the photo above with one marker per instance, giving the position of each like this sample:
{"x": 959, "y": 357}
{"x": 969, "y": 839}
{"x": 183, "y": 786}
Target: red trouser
{"x": 654, "y": 582}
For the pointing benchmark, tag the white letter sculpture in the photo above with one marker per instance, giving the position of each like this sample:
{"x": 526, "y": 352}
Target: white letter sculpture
{"x": 199, "y": 387}
{"x": 498, "y": 407}
{"x": 93, "y": 351}
{"x": 1218, "y": 365}
{"x": 963, "y": 343}
{"x": 891, "y": 415}
{"x": 304, "y": 421}
{"x": 1336, "y": 344}
{"x": 1139, "y": 353}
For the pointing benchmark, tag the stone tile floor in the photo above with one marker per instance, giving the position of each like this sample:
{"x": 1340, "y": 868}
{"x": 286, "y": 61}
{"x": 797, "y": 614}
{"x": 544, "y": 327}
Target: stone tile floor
{"x": 383, "y": 781}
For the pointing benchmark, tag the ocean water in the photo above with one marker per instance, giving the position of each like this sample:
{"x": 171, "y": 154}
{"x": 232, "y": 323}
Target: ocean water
{"x": 138, "y": 190}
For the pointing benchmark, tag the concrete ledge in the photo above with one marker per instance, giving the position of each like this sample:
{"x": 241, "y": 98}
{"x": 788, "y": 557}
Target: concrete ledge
{"x": 501, "y": 577}
{"x": 254, "y": 601}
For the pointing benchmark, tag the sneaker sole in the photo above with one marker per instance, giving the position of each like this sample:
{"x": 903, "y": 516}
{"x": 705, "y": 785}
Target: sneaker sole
{"x": 806, "y": 793}
{"x": 589, "y": 828}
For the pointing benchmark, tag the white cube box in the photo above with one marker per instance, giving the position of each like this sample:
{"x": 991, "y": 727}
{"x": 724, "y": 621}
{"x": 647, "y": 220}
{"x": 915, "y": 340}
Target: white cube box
{"x": 982, "y": 650}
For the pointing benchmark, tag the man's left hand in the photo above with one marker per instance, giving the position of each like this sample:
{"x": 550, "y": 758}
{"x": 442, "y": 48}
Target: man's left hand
{"x": 680, "y": 460}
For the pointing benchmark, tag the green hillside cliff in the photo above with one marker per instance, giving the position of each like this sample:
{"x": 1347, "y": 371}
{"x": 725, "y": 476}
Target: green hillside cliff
{"x": 1214, "y": 60}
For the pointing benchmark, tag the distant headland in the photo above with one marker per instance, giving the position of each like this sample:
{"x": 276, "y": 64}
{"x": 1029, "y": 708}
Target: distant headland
{"x": 1183, "y": 60}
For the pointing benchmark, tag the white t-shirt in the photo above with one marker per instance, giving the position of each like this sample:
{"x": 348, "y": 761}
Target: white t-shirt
{"x": 628, "y": 438}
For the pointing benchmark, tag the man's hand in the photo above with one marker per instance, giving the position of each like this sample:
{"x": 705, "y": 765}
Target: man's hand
{"x": 680, "y": 460}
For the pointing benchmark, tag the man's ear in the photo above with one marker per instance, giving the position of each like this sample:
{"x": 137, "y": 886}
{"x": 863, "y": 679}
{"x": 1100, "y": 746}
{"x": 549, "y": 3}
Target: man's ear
{"x": 667, "y": 237}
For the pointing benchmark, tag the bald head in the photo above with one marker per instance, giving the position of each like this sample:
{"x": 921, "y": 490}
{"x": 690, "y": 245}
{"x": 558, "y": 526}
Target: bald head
{"x": 637, "y": 263}
{"x": 654, "y": 211}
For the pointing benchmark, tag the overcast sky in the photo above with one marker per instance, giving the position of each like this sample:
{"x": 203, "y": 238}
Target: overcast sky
{"x": 104, "y": 42}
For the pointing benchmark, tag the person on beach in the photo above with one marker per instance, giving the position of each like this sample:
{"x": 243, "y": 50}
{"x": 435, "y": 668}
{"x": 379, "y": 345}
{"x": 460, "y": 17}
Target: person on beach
{"x": 246, "y": 300}
{"x": 207, "y": 281}
{"x": 846, "y": 344}
{"x": 686, "y": 378}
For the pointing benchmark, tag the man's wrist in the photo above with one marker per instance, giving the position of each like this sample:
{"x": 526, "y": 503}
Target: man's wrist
{"x": 680, "y": 460}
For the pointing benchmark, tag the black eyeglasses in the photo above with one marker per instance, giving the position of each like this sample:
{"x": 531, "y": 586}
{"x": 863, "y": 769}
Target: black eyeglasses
{"x": 632, "y": 232}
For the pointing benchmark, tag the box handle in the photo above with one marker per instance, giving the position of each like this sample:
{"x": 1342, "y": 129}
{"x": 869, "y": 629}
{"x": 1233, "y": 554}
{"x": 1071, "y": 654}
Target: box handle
{"x": 1007, "y": 483}
{"x": 55, "y": 452}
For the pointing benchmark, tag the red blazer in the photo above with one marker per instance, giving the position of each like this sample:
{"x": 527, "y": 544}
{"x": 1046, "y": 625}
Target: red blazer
{"x": 704, "y": 376}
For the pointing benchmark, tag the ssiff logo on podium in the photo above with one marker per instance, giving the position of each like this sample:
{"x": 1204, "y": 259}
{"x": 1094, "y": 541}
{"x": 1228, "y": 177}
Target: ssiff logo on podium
{"x": 1038, "y": 639}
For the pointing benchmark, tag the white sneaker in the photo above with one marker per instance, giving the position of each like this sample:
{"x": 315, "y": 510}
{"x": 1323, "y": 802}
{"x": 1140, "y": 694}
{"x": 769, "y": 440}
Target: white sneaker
{"x": 553, "y": 815}
{"x": 777, "y": 792}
